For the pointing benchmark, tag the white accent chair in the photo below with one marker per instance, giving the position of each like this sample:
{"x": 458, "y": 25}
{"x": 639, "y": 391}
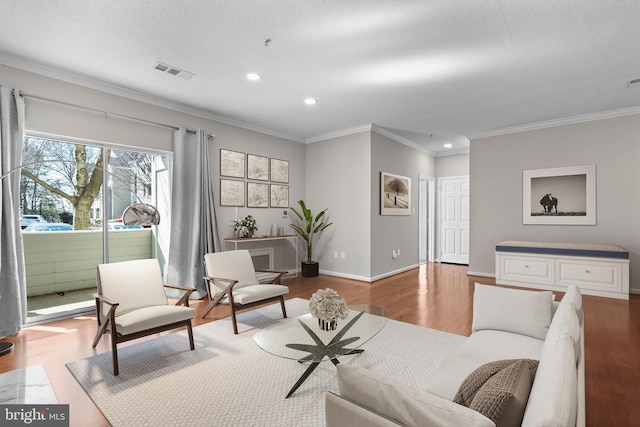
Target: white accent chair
{"x": 231, "y": 280}
{"x": 131, "y": 303}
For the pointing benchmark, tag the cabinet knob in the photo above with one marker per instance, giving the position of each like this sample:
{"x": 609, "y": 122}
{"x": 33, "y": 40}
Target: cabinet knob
{"x": 587, "y": 271}
{"x": 526, "y": 266}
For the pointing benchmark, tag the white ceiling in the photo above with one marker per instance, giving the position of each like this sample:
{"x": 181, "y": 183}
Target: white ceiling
{"x": 426, "y": 72}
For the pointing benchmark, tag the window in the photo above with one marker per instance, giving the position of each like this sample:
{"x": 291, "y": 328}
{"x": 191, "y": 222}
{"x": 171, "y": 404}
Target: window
{"x": 63, "y": 183}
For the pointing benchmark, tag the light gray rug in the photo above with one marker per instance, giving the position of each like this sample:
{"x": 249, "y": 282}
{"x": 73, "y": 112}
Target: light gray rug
{"x": 229, "y": 381}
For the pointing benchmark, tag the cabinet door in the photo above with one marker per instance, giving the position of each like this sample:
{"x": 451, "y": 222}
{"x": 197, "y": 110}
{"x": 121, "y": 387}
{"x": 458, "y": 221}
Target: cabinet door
{"x": 527, "y": 269}
{"x": 599, "y": 275}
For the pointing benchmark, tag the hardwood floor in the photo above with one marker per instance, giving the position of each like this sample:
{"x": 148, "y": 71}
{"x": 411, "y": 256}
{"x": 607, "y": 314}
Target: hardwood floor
{"x": 437, "y": 296}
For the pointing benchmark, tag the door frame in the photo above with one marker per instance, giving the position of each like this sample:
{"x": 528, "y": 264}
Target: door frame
{"x": 426, "y": 213}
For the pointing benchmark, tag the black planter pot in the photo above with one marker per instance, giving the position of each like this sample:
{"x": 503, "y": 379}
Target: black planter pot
{"x": 309, "y": 269}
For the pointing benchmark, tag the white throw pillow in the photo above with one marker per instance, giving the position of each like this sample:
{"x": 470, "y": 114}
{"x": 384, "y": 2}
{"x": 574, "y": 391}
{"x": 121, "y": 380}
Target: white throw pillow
{"x": 512, "y": 310}
{"x": 405, "y": 404}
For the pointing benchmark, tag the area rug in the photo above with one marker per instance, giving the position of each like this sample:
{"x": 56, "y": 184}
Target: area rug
{"x": 229, "y": 381}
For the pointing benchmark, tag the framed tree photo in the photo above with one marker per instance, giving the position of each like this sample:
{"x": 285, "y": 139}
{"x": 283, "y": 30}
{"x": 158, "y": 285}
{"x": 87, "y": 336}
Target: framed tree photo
{"x": 231, "y": 163}
{"x": 279, "y": 196}
{"x": 565, "y": 195}
{"x": 257, "y": 167}
{"x": 280, "y": 171}
{"x": 257, "y": 195}
{"x": 231, "y": 192}
{"x": 395, "y": 194}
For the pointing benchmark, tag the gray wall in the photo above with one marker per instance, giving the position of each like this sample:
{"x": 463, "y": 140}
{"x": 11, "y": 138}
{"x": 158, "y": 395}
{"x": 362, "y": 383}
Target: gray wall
{"x": 457, "y": 165}
{"x": 395, "y": 232}
{"x": 338, "y": 172}
{"x": 496, "y": 166}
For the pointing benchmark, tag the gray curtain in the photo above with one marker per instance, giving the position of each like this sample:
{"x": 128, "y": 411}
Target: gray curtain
{"x": 193, "y": 220}
{"x": 13, "y": 287}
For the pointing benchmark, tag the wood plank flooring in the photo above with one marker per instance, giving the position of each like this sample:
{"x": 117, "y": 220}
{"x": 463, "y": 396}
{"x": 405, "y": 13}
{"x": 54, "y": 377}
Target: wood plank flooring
{"x": 437, "y": 296}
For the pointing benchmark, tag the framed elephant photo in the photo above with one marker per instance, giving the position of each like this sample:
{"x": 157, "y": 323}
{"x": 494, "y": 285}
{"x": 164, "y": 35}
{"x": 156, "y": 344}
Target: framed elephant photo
{"x": 559, "y": 196}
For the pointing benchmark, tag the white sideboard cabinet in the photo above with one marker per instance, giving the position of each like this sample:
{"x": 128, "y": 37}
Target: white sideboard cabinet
{"x": 601, "y": 270}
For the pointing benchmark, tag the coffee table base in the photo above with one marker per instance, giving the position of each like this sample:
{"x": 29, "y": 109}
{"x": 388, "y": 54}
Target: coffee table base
{"x": 312, "y": 367}
{"x": 320, "y": 350}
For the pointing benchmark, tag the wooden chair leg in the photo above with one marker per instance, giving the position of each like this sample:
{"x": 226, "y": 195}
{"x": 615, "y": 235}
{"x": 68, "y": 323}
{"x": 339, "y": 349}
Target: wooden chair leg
{"x": 284, "y": 310}
{"x": 233, "y": 319}
{"x": 114, "y": 354}
{"x": 190, "y": 330}
{"x": 99, "y": 333}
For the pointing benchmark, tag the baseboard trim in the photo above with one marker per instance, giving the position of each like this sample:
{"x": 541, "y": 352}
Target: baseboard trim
{"x": 634, "y": 291}
{"x": 394, "y": 272}
{"x": 346, "y": 276}
{"x": 369, "y": 279}
{"x": 480, "y": 274}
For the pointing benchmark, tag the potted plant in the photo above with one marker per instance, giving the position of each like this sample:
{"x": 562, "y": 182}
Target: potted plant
{"x": 311, "y": 227}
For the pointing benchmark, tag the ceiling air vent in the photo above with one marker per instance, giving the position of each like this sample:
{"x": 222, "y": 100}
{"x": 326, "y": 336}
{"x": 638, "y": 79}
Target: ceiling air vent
{"x": 173, "y": 71}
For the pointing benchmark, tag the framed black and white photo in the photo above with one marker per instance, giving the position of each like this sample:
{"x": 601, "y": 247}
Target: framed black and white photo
{"x": 279, "y": 171}
{"x": 231, "y": 163}
{"x": 231, "y": 192}
{"x": 395, "y": 194}
{"x": 257, "y": 167}
{"x": 257, "y": 195}
{"x": 279, "y": 196}
{"x": 565, "y": 196}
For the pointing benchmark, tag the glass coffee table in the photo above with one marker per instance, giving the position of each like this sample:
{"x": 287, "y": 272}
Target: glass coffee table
{"x": 302, "y": 339}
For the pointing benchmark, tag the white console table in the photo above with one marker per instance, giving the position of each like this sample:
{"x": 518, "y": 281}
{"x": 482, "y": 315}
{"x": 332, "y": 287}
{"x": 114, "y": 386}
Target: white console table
{"x": 241, "y": 241}
{"x": 601, "y": 270}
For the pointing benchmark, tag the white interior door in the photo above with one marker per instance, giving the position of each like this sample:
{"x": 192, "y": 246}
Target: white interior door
{"x": 454, "y": 220}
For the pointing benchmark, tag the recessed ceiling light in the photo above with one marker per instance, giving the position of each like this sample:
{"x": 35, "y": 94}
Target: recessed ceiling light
{"x": 310, "y": 101}
{"x": 253, "y": 76}
{"x": 448, "y": 145}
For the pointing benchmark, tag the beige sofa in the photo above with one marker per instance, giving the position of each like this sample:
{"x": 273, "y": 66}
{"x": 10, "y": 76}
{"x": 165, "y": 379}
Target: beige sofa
{"x": 522, "y": 365}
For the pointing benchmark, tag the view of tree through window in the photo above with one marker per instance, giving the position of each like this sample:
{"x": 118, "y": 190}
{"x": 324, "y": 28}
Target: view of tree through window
{"x": 62, "y": 181}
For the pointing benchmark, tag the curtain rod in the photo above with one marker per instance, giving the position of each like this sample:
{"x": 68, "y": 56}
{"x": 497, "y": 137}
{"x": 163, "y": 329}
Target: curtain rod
{"x": 107, "y": 113}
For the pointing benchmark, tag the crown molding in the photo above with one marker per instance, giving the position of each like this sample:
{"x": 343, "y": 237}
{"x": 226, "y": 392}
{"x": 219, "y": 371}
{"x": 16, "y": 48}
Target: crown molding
{"x": 372, "y": 127}
{"x": 79, "y": 79}
{"x": 339, "y": 133}
{"x": 559, "y": 122}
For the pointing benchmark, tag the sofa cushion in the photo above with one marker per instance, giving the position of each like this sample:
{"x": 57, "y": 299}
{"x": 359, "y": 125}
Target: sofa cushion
{"x": 480, "y": 348}
{"x": 512, "y": 310}
{"x": 499, "y": 390}
{"x": 573, "y": 297}
{"x": 407, "y": 405}
{"x": 553, "y": 400}
{"x": 566, "y": 321}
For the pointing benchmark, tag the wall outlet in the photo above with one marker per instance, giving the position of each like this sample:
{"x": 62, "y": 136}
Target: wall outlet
{"x": 343, "y": 255}
{"x": 335, "y": 254}
{"x": 285, "y": 214}
{"x": 398, "y": 251}
{"x": 394, "y": 254}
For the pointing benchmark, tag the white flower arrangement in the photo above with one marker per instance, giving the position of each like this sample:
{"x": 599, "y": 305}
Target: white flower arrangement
{"x": 327, "y": 304}
{"x": 245, "y": 227}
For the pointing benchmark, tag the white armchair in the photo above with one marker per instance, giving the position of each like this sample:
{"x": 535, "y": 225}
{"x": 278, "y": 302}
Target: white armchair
{"x": 131, "y": 303}
{"x": 231, "y": 280}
